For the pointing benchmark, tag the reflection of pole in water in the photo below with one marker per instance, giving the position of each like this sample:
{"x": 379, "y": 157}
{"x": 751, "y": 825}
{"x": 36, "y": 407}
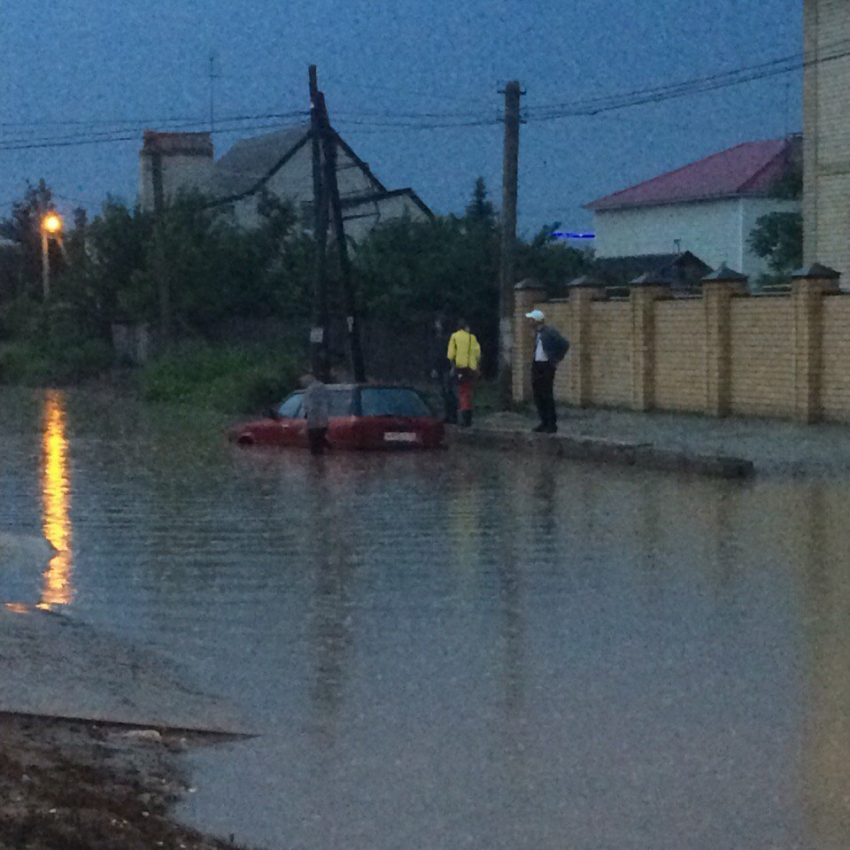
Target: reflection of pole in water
{"x": 330, "y": 632}
{"x": 56, "y": 502}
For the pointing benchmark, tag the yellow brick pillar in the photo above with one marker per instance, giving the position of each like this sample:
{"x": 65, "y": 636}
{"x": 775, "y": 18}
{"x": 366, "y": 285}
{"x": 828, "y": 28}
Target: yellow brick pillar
{"x": 718, "y": 288}
{"x": 808, "y": 287}
{"x": 645, "y": 291}
{"x": 583, "y": 292}
{"x": 528, "y": 294}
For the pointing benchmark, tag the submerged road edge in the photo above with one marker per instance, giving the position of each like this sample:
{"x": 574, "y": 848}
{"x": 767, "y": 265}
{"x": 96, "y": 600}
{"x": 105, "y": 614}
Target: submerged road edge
{"x": 599, "y": 450}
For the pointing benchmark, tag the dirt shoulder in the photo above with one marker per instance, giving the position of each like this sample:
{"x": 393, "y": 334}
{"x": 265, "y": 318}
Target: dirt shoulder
{"x": 66, "y": 785}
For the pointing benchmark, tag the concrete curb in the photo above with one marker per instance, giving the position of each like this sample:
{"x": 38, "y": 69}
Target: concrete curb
{"x": 598, "y": 450}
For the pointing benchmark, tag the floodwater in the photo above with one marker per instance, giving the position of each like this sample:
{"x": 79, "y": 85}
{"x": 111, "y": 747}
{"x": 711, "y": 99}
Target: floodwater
{"x": 458, "y": 649}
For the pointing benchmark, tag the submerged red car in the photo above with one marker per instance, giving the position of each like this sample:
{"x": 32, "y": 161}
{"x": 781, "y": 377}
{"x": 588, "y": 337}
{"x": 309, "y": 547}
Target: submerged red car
{"x": 361, "y": 417}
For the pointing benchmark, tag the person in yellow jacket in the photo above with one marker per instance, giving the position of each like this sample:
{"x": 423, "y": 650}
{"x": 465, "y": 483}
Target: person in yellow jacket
{"x": 465, "y": 356}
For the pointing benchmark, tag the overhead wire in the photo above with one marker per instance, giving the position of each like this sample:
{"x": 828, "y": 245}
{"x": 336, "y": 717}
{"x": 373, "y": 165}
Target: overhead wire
{"x": 383, "y": 120}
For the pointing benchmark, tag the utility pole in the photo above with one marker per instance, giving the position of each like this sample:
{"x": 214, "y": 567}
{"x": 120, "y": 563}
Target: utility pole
{"x": 319, "y": 359}
{"x": 213, "y": 77}
{"x": 508, "y": 258}
{"x": 332, "y": 189}
{"x": 160, "y": 270}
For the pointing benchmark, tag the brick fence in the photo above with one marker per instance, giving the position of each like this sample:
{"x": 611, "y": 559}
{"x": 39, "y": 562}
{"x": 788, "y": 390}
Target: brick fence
{"x": 722, "y": 352}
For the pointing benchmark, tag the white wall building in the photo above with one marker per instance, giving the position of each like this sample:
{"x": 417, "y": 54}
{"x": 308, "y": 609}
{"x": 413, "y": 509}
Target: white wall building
{"x": 279, "y": 163}
{"x": 709, "y": 207}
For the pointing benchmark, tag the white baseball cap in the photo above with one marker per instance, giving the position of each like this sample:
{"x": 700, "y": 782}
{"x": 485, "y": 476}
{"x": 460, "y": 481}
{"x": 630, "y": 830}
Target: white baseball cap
{"x": 537, "y": 315}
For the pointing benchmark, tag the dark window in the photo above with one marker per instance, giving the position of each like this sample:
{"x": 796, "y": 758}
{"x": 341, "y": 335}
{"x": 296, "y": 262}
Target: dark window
{"x": 392, "y": 402}
{"x": 289, "y": 408}
{"x": 339, "y": 403}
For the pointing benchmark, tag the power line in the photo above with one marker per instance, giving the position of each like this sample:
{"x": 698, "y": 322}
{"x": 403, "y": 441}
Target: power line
{"x": 383, "y": 121}
{"x": 106, "y": 139}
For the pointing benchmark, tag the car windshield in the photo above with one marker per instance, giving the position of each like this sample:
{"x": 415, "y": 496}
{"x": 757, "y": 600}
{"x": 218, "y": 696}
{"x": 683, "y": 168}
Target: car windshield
{"x": 289, "y": 408}
{"x": 392, "y": 401}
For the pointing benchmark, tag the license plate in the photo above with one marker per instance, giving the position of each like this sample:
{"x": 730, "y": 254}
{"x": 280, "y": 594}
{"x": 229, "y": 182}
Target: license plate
{"x": 401, "y": 437}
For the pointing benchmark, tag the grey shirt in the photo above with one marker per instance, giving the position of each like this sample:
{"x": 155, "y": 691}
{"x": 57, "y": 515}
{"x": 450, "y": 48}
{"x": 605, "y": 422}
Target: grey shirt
{"x": 316, "y": 405}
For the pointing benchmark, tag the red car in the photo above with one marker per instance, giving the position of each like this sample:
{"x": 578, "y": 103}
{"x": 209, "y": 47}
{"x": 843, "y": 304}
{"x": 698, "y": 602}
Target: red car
{"x": 361, "y": 417}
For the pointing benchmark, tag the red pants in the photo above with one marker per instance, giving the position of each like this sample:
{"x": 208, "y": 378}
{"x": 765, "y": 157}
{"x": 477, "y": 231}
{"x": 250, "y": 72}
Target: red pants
{"x": 464, "y": 394}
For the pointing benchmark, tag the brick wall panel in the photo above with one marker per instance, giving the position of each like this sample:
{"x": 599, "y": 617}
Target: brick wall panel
{"x": 611, "y": 354}
{"x": 835, "y": 386}
{"x": 679, "y": 355}
{"x": 762, "y": 355}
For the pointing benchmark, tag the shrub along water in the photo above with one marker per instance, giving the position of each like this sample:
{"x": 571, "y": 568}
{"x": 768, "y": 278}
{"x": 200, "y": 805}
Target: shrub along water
{"x": 230, "y": 379}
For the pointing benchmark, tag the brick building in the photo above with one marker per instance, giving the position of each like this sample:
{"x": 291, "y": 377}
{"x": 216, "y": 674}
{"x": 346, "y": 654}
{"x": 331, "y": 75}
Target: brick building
{"x": 826, "y": 105}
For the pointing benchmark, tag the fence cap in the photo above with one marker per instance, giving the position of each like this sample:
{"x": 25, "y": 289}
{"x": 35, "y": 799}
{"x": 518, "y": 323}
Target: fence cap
{"x": 586, "y": 281}
{"x": 649, "y": 279}
{"x": 723, "y": 274}
{"x": 529, "y": 283}
{"x": 816, "y": 271}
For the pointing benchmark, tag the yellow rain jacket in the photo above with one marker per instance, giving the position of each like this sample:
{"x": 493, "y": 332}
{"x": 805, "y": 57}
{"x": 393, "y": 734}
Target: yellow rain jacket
{"x": 464, "y": 350}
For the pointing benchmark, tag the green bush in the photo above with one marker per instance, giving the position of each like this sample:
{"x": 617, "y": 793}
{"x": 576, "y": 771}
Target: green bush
{"x": 228, "y": 379}
{"x": 35, "y": 364}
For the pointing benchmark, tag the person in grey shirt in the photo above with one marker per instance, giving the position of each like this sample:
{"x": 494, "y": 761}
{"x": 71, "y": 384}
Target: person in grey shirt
{"x": 316, "y": 408}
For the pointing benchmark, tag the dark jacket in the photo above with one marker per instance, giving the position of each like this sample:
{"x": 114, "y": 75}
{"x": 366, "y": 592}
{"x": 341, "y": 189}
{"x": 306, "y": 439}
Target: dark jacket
{"x": 555, "y": 346}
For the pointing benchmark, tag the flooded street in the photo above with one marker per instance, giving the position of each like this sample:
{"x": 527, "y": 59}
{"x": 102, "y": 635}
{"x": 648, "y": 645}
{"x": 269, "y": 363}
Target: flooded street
{"x": 458, "y": 649}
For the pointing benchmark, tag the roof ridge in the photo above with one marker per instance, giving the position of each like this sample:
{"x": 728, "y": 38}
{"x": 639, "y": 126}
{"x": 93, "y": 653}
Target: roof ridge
{"x": 784, "y": 151}
{"x": 668, "y": 175}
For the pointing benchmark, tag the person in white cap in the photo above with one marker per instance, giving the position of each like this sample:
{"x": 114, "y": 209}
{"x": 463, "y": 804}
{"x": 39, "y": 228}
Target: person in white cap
{"x": 550, "y": 348}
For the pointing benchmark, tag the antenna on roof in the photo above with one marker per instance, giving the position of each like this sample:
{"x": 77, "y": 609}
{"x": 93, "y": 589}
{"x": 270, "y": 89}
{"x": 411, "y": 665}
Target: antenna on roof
{"x": 214, "y": 75}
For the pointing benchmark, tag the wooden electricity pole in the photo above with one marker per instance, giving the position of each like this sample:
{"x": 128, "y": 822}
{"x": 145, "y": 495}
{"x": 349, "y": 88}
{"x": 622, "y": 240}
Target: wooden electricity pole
{"x": 508, "y": 257}
{"x": 319, "y": 358}
{"x": 332, "y": 189}
{"x": 162, "y": 273}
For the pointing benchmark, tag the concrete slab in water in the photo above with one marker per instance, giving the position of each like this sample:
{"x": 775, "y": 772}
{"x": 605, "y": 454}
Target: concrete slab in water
{"x": 53, "y": 666}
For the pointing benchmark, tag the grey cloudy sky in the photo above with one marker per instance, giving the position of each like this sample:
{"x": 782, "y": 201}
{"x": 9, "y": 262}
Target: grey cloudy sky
{"x": 69, "y": 68}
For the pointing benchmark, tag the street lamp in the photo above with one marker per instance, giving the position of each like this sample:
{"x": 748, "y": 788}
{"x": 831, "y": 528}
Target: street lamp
{"x": 51, "y": 226}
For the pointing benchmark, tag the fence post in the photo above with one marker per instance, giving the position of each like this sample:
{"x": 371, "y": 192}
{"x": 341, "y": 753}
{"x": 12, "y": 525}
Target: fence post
{"x": 717, "y": 291}
{"x": 528, "y": 294}
{"x": 583, "y": 292}
{"x": 808, "y": 287}
{"x": 645, "y": 291}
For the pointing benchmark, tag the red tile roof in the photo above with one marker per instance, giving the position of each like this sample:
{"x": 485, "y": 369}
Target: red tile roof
{"x": 751, "y": 168}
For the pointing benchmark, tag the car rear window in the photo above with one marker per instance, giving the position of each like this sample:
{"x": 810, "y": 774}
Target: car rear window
{"x": 392, "y": 401}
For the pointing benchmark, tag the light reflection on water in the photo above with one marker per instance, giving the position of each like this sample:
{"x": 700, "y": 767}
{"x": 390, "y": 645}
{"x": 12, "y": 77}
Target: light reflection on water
{"x": 56, "y": 496}
{"x": 465, "y": 649}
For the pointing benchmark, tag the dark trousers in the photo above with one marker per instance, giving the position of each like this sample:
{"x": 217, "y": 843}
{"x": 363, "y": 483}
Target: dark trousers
{"x": 542, "y": 388}
{"x": 318, "y": 440}
{"x": 448, "y": 390}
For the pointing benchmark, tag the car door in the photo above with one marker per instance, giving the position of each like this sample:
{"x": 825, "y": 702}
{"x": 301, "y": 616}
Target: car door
{"x": 291, "y": 424}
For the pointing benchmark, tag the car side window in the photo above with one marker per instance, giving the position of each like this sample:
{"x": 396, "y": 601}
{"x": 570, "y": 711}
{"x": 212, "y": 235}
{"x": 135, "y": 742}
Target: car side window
{"x": 290, "y": 407}
{"x": 392, "y": 401}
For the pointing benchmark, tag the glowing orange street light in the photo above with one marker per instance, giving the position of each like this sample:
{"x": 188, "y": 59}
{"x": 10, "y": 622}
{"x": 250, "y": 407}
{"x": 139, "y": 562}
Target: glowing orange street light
{"x": 51, "y": 225}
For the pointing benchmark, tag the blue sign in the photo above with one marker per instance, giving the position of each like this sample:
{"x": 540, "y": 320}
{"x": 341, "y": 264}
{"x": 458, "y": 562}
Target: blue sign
{"x": 570, "y": 234}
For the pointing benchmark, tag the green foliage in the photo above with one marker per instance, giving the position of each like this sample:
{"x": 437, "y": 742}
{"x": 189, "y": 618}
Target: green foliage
{"x": 229, "y": 379}
{"x": 778, "y": 237}
{"x": 410, "y": 271}
{"x": 550, "y": 261}
{"x": 34, "y": 364}
{"x": 24, "y": 227}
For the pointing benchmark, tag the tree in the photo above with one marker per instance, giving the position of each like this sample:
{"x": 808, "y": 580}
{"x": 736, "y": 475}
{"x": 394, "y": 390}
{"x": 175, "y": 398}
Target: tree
{"x": 24, "y": 227}
{"x": 479, "y": 209}
{"x": 778, "y": 237}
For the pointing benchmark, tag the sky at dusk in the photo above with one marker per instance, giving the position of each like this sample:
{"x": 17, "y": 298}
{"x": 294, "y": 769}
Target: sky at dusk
{"x": 394, "y": 74}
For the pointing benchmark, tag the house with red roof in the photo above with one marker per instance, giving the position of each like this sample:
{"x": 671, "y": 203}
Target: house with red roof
{"x": 708, "y": 208}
